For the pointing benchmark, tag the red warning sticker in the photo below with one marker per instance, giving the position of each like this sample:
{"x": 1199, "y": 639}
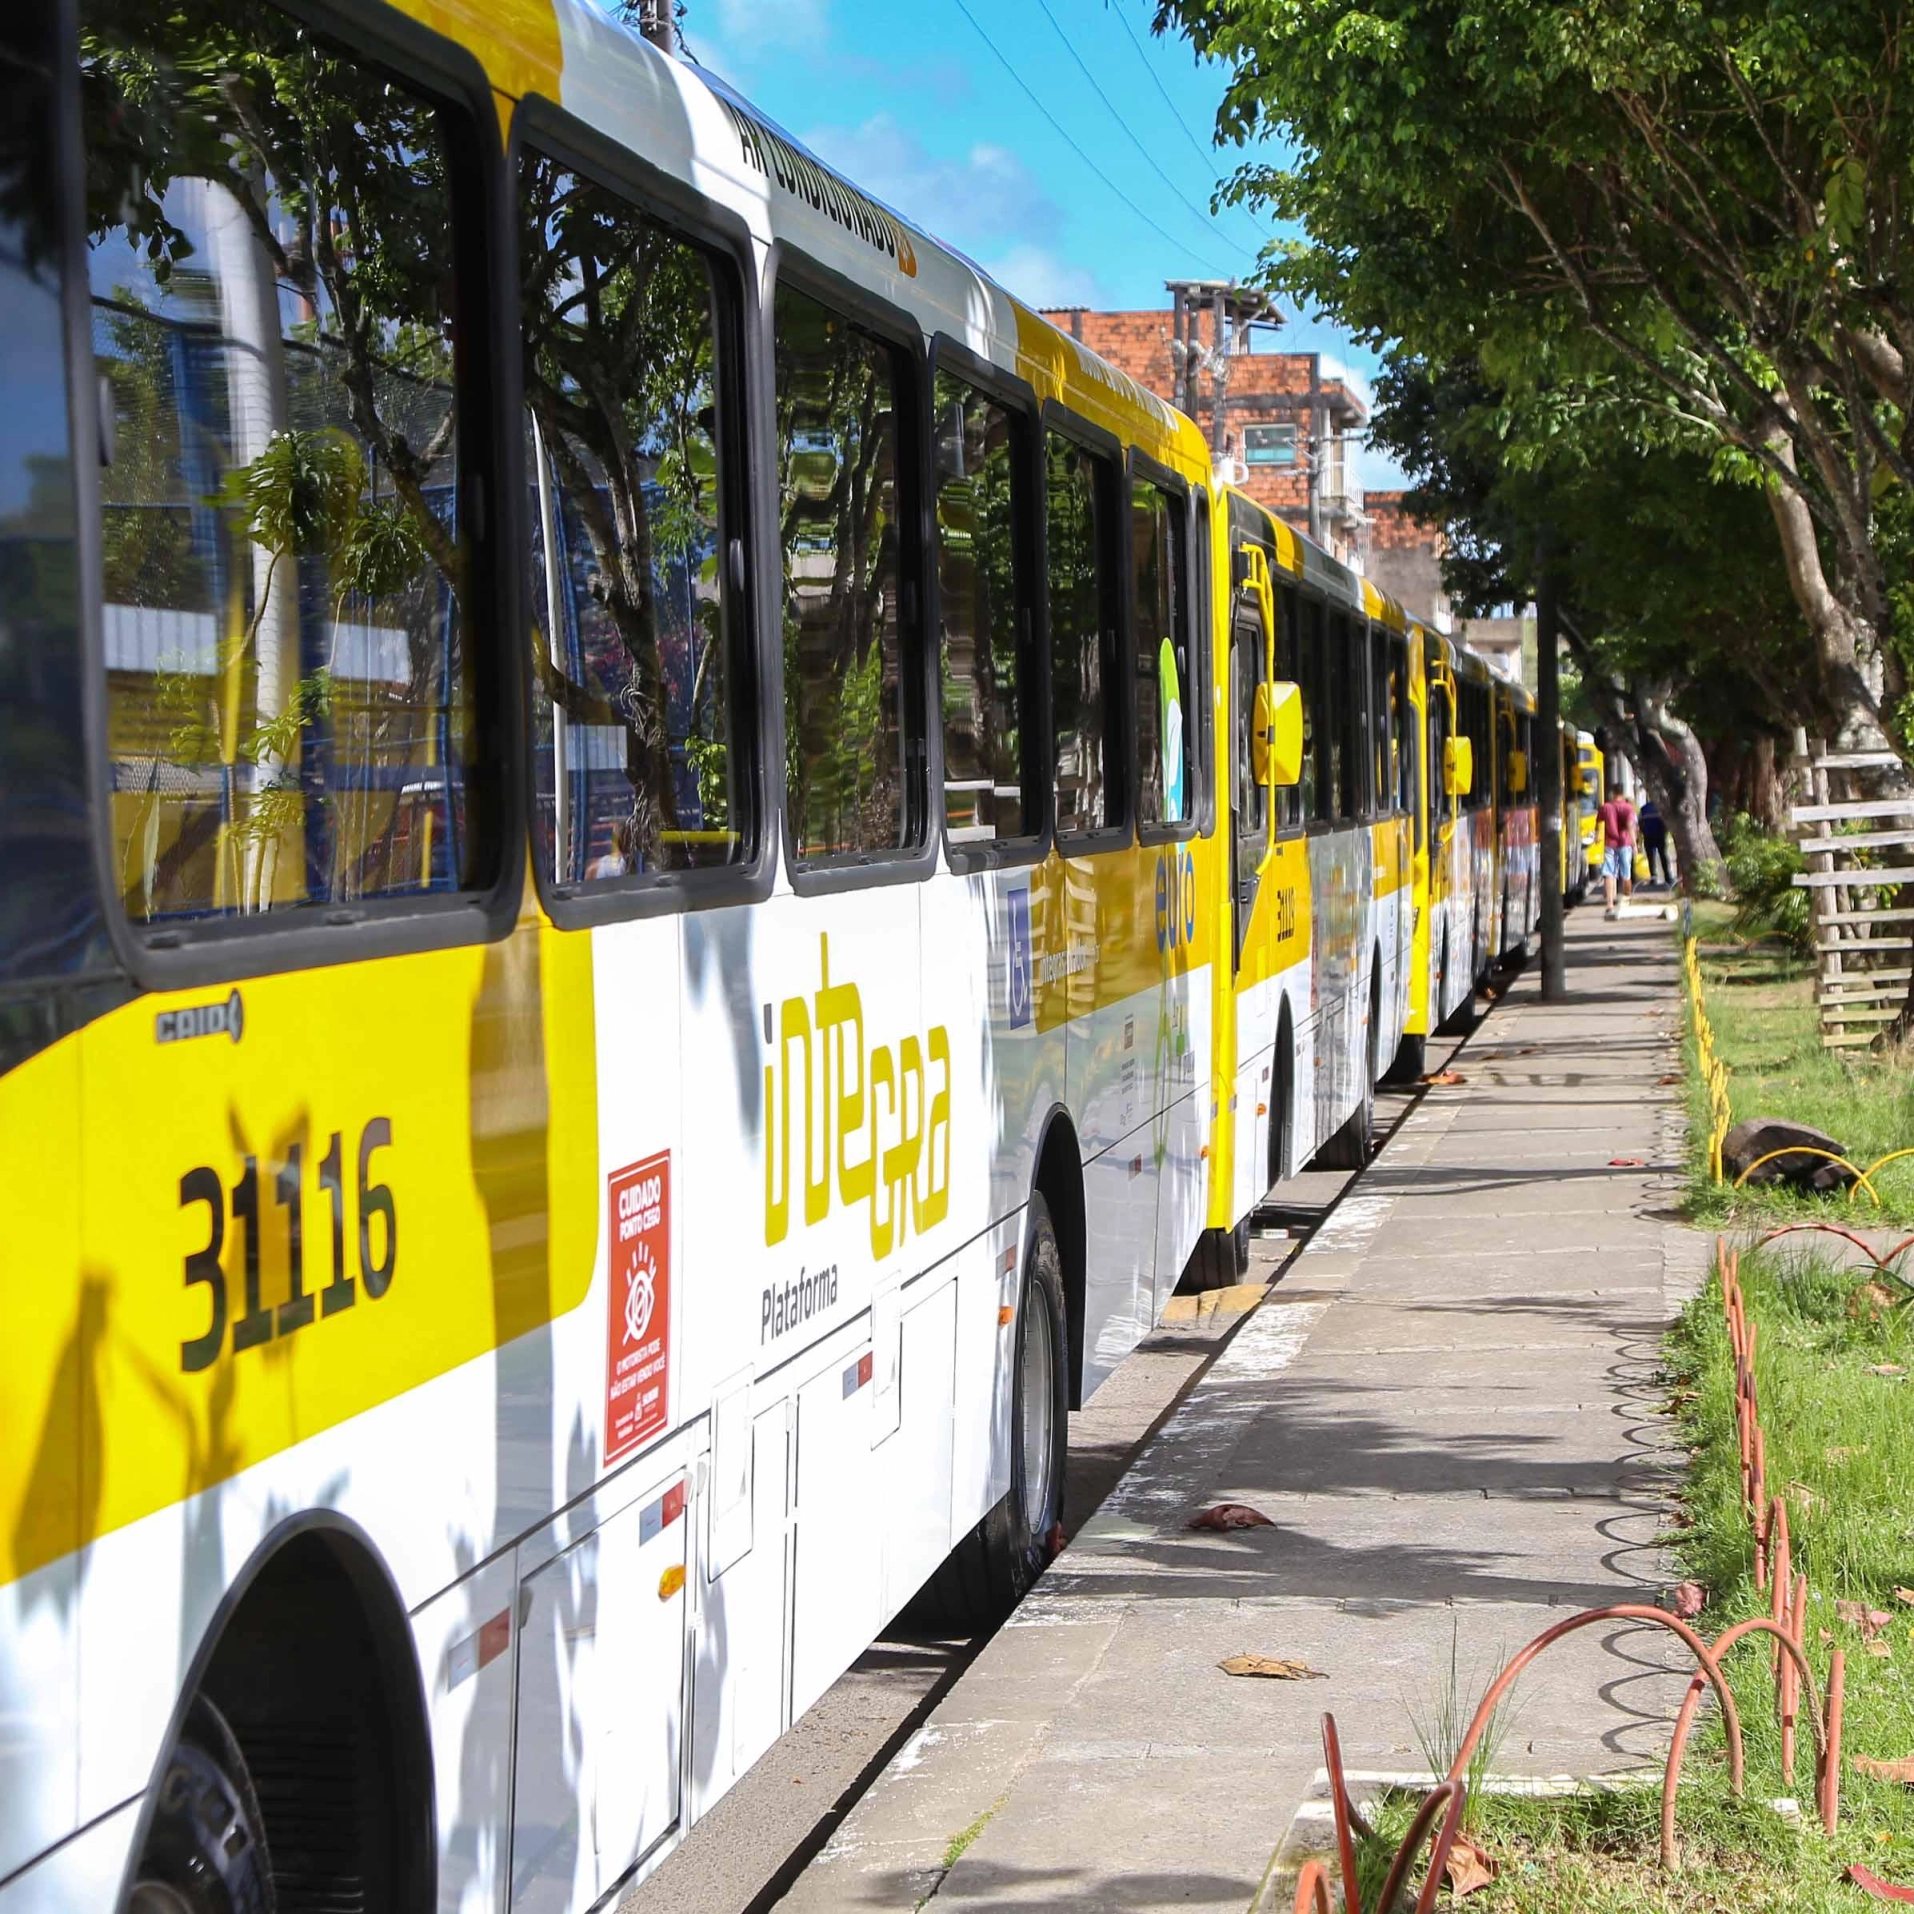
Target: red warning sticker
{"x": 638, "y": 1332}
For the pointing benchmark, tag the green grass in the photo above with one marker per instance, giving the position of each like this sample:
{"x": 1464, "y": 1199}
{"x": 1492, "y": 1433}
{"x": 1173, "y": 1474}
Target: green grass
{"x": 1841, "y": 1447}
{"x": 1760, "y": 1001}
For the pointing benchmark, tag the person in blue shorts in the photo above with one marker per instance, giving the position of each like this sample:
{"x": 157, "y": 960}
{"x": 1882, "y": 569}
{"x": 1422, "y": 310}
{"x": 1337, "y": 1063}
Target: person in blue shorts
{"x": 1620, "y": 831}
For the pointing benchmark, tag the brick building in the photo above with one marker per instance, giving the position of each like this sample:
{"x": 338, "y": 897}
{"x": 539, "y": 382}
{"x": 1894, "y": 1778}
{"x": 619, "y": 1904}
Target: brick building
{"x": 1405, "y": 560}
{"x": 1293, "y": 426}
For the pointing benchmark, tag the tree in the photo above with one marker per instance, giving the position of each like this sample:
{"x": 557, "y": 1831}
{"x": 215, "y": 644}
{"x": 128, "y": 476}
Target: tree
{"x": 1701, "y": 211}
{"x": 1674, "y": 604}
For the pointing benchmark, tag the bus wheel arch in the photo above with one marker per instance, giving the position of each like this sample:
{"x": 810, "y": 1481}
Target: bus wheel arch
{"x": 1059, "y": 1181}
{"x": 309, "y": 1671}
{"x": 1282, "y": 1100}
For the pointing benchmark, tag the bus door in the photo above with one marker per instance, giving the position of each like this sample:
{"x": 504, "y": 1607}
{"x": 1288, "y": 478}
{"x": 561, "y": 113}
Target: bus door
{"x": 1250, "y": 665}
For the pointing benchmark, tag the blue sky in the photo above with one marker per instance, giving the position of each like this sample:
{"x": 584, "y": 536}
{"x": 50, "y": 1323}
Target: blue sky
{"x": 907, "y": 99}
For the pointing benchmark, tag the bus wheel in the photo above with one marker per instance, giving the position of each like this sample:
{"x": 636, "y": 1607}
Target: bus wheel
{"x": 991, "y": 1569}
{"x": 1412, "y": 1060}
{"x": 205, "y": 1847}
{"x": 1218, "y": 1260}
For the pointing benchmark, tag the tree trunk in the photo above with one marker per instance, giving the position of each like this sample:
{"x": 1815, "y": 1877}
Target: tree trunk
{"x": 1703, "y": 872}
{"x": 1668, "y": 758}
{"x": 1765, "y": 800}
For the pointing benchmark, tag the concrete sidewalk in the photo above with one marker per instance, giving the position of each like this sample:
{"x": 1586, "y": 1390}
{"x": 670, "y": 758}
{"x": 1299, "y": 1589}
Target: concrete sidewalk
{"x": 1448, "y": 1409}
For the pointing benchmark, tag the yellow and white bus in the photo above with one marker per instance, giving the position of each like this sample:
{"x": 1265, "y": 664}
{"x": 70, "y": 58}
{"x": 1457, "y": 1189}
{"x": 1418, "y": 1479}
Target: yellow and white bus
{"x": 656, "y": 849}
{"x": 1311, "y": 989}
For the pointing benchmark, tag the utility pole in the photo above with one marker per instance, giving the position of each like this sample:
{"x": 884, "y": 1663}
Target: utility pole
{"x": 1316, "y": 447}
{"x": 658, "y": 23}
{"x": 1219, "y": 370}
{"x": 1548, "y": 779}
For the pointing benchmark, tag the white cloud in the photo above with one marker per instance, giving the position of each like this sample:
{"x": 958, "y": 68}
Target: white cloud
{"x": 748, "y": 25}
{"x": 980, "y": 200}
{"x": 1040, "y": 278}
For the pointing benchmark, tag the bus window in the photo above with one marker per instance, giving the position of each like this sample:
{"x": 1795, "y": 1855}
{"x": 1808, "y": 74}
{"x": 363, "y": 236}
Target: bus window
{"x": 845, "y": 678}
{"x": 1442, "y": 806}
{"x": 1346, "y": 670}
{"x": 1079, "y": 521}
{"x": 982, "y": 613}
{"x": 289, "y": 567}
{"x": 1295, "y": 803}
{"x": 1327, "y": 692}
{"x": 1201, "y": 745}
{"x": 1382, "y": 693}
{"x": 1361, "y": 752}
{"x": 1165, "y": 793}
{"x": 1252, "y": 795}
{"x": 1405, "y": 736}
{"x": 636, "y": 734}
{"x": 49, "y": 917}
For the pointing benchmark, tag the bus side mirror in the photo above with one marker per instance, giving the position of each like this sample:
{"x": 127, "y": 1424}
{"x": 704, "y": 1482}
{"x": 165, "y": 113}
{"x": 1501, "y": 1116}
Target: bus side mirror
{"x": 1458, "y": 767}
{"x": 1518, "y": 773}
{"x": 1276, "y": 735}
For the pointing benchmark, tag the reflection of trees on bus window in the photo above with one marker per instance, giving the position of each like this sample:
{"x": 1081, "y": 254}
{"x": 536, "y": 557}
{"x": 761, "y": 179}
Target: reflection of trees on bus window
{"x": 1404, "y": 734}
{"x": 1077, "y": 507}
{"x": 844, "y": 685}
{"x": 1382, "y": 718}
{"x": 634, "y": 763}
{"x": 289, "y": 710}
{"x": 1164, "y": 722}
{"x": 978, "y": 486}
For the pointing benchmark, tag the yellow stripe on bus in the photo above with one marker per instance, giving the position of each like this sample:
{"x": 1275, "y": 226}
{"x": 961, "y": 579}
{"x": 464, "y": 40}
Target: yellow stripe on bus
{"x": 459, "y": 1087}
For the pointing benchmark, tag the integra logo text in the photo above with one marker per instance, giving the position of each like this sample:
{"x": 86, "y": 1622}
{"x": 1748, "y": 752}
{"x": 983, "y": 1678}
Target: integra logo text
{"x": 201, "y": 1020}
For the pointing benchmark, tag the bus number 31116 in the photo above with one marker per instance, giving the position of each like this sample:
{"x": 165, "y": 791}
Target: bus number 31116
{"x": 260, "y": 1322}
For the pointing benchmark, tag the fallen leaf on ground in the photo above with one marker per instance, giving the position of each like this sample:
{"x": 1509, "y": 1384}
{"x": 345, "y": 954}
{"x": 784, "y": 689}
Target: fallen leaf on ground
{"x": 1901, "y": 1771}
{"x": 1690, "y": 1599}
{"x": 1841, "y": 1455}
{"x": 1869, "y": 1300}
{"x": 1625, "y": 1163}
{"x": 1885, "y": 1369}
{"x": 1445, "y": 1076}
{"x": 1231, "y": 1515}
{"x": 1904, "y": 1595}
{"x": 1271, "y": 1668}
{"x": 1468, "y": 1867}
{"x": 1803, "y": 1498}
{"x": 1825, "y": 1634}
{"x": 1879, "y": 1650}
{"x": 1880, "y": 1889}
{"x": 1870, "y": 1621}
{"x": 1673, "y": 1077}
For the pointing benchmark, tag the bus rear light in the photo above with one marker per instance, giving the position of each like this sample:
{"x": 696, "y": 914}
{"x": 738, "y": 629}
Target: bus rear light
{"x": 671, "y": 1581}
{"x": 1006, "y": 1316}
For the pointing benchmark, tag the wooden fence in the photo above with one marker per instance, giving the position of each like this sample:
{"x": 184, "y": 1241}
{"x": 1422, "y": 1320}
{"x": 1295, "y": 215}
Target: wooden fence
{"x": 1865, "y": 958}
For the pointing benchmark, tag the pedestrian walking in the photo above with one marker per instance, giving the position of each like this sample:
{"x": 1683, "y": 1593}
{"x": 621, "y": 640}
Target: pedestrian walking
{"x": 1621, "y": 832}
{"x": 1655, "y": 843}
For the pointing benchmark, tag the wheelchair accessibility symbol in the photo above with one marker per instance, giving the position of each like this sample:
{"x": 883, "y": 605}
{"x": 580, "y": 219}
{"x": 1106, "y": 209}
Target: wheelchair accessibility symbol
{"x": 1017, "y": 984}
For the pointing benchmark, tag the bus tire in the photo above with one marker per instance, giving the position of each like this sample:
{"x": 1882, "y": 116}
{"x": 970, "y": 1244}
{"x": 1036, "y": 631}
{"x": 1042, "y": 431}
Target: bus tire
{"x": 1412, "y": 1059}
{"x": 1461, "y": 1020}
{"x": 205, "y": 1849}
{"x": 1218, "y": 1260}
{"x": 990, "y": 1571}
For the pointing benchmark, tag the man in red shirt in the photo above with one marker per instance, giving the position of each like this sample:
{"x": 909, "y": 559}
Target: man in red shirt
{"x": 1620, "y": 831}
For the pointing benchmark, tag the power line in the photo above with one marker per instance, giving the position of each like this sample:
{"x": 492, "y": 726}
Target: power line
{"x": 1109, "y": 106}
{"x": 1056, "y": 126}
{"x": 1205, "y": 154}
